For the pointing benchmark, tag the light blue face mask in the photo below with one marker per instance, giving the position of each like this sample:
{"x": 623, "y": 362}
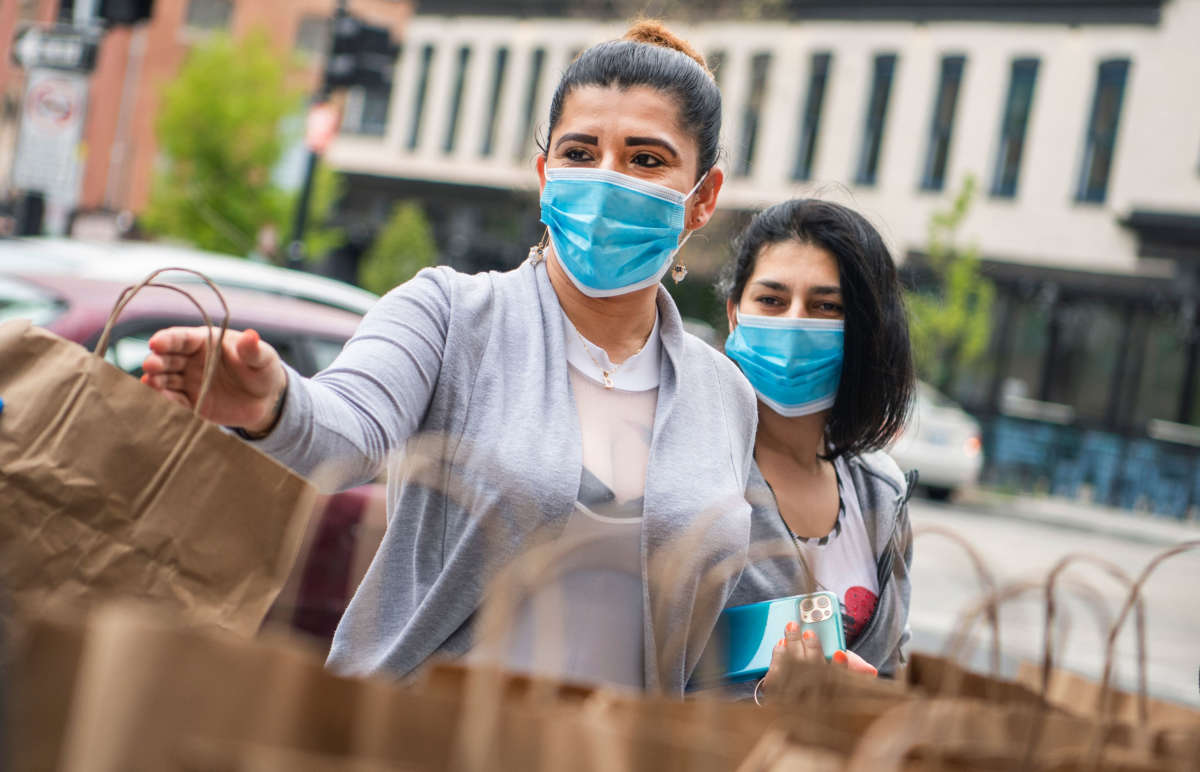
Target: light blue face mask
{"x": 794, "y": 365}
{"x": 612, "y": 233}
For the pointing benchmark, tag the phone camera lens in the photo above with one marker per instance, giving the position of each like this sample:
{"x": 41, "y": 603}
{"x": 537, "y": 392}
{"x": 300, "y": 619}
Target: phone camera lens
{"x": 823, "y": 602}
{"x": 806, "y": 604}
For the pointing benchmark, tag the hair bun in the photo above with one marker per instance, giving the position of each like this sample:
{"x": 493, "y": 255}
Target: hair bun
{"x": 656, "y": 34}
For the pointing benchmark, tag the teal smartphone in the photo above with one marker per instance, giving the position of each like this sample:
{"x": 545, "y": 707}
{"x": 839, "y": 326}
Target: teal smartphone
{"x": 749, "y": 633}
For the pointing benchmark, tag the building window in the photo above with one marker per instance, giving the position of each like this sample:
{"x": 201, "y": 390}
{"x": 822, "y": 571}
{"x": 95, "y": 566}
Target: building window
{"x": 760, "y": 65}
{"x": 942, "y": 125}
{"x": 418, "y": 109}
{"x": 312, "y": 36}
{"x": 367, "y": 107}
{"x": 876, "y": 119}
{"x": 1013, "y": 127}
{"x": 1084, "y": 358}
{"x": 464, "y": 59}
{"x": 501, "y": 69}
{"x": 367, "y": 110}
{"x": 1161, "y": 363}
{"x": 1029, "y": 320}
{"x": 1102, "y": 131}
{"x": 208, "y": 14}
{"x": 810, "y": 121}
{"x": 536, "y": 65}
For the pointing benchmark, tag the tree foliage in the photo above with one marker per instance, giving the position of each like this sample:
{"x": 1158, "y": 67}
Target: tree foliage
{"x": 950, "y": 315}
{"x": 404, "y": 246}
{"x": 221, "y": 130}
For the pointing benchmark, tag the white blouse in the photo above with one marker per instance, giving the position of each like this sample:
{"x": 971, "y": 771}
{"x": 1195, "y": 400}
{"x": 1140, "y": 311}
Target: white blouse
{"x": 843, "y": 562}
{"x": 586, "y": 623}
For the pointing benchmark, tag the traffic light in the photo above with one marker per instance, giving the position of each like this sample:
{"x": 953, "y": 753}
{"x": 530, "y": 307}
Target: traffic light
{"x": 125, "y": 11}
{"x": 361, "y": 54}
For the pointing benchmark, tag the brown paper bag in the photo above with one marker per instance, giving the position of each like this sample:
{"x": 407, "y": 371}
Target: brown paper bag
{"x": 935, "y": 676}
{"x": 41, "y": 666}
{"x": 687, "y": 733}
{"x": 152, "y": 695}
{"x": 1082, "y": 696}
{"x": 963, "y": 733}
{"x": 107, "y": 489}
{"x": 149, "y": 688}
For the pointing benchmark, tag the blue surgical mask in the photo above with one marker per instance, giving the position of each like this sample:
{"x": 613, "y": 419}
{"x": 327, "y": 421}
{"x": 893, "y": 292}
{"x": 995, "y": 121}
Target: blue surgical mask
{"x": 612, "y": 233}
{"x": 794, "y": 365}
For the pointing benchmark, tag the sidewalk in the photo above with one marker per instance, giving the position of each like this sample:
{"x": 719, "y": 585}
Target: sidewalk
{"x": 1080, "y": 516}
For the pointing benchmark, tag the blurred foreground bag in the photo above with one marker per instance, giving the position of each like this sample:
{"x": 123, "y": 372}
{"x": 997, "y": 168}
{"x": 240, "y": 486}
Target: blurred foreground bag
{"x": 108, "y": 489}
{"x": 133, "y": 690}
{"x": 941, "y": 716}
{"x": 124, "y": 690}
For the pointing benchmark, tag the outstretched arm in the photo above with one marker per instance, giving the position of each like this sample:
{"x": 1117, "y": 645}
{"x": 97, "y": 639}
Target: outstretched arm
{"x": 340, "y": 425}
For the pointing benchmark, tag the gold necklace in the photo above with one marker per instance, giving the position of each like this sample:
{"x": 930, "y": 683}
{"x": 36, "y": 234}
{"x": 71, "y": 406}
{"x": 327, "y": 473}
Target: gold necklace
{"x": 608, "y": 382}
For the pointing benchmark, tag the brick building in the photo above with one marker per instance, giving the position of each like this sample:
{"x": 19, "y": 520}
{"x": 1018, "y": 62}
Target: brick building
{"x": 135, "y": 63}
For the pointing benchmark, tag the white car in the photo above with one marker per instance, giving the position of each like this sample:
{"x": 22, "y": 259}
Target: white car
{"x": 131, "y": 261}
{"x": 941, "y": 442}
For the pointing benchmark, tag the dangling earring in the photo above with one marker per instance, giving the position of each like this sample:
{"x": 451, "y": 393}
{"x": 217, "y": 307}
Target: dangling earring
{"x": 679, "y": 270}
{"x": 537, "y": 252}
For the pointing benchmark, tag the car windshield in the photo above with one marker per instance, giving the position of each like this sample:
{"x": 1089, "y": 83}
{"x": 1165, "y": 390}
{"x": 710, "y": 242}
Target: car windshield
{"x": 19, "y": 300}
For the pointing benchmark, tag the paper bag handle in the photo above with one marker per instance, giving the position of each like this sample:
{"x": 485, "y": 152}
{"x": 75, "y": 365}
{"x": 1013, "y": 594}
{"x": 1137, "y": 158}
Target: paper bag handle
{"x": 1115, "y": 571}
{"x": 987, "y": 582}
{"x": 1135, "y": 596}
{"x": 215, "y": 347}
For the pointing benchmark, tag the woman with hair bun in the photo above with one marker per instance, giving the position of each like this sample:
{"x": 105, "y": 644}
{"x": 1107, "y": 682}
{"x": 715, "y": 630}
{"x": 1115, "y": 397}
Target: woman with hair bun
{"x": 817, "y": 324}
{"x": 564, "y": 398}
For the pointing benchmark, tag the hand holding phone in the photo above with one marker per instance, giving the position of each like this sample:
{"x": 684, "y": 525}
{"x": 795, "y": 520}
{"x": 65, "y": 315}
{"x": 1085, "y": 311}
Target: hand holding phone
{"x": 746, "y": 635}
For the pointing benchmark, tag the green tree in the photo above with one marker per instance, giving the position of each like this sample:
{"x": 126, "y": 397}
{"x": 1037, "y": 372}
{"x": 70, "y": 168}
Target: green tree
{"x": 404, "y": 246}
{"x": 221, "y": 130}
{"x": 951, "y": 313}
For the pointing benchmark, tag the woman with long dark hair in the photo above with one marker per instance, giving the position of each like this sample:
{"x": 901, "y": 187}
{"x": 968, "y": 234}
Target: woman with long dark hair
{"x": 817, "y": 324}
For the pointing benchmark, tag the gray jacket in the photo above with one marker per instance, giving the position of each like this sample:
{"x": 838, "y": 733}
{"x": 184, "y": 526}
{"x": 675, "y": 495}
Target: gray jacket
{"x": 883, "y": 492}
{"x": 467, "y": 376}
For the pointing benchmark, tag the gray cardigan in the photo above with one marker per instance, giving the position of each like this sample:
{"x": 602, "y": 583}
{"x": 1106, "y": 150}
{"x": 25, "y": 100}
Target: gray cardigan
{"x": 883, "y": 493}
{"x": 459, "y": 384}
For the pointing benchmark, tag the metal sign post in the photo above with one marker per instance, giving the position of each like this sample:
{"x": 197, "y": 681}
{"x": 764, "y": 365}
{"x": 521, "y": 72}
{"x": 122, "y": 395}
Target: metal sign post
{"x": 57, "y": 62}
{"x": 48, "y": 144}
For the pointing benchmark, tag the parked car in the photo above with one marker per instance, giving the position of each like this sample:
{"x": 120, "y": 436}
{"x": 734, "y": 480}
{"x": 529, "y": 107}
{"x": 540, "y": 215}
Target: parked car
{"x": 942, "y": 443}
{"x": 129, "y": 261}
{"x": 347, "y": 527}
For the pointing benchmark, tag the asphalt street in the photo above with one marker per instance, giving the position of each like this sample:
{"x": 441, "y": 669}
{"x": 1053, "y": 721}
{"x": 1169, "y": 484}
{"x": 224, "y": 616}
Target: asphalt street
{"x": 1019, "y": 546}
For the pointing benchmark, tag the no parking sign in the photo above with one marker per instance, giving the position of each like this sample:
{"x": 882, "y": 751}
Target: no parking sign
{"x": 52, "y": 120}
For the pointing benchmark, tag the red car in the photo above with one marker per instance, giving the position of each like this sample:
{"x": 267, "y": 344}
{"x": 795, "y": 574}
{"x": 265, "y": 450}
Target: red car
{"x": 346, "y": 531}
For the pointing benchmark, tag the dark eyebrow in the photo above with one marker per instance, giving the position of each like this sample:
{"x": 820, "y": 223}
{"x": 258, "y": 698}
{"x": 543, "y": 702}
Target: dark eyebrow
{"x": 631, "y": 141}
{"x": 828, "y": 289}
{"x": 586, "y": 139}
